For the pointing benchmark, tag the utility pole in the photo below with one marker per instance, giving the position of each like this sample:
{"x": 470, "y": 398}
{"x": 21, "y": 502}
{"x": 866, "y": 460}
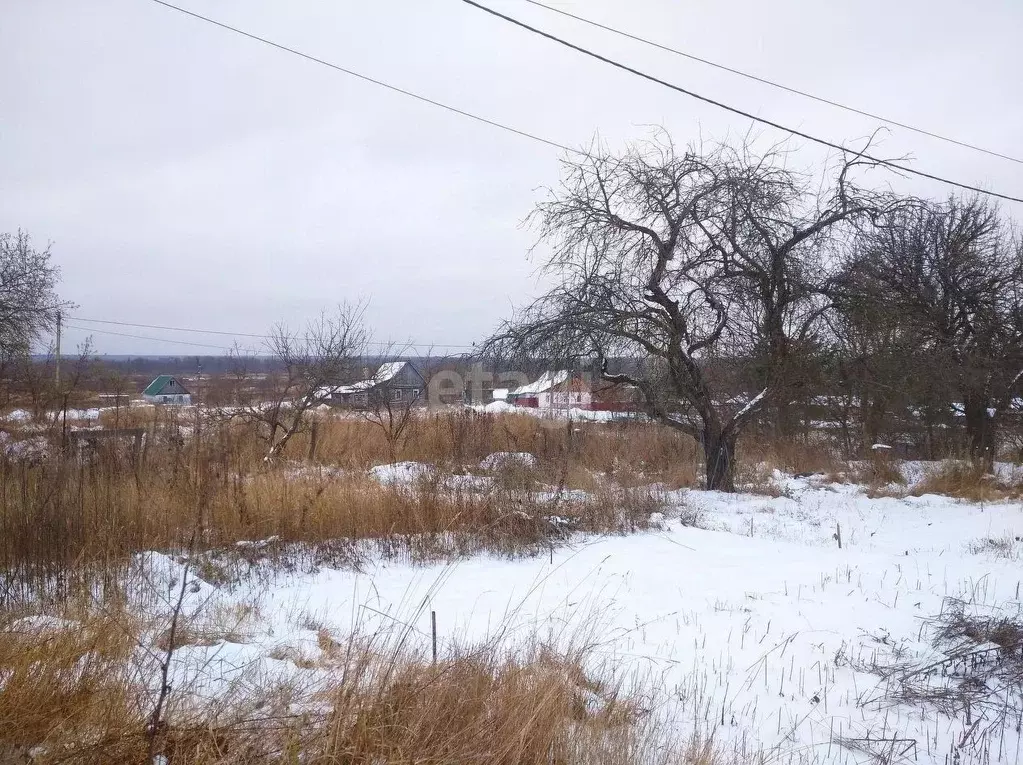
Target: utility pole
{"x": 198, "y": 379}
{"x": 56, "y": 376}
{"x": 196, "y": 435}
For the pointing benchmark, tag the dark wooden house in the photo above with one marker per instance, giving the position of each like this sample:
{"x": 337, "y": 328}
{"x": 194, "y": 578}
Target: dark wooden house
{"x": 396, "y": 382}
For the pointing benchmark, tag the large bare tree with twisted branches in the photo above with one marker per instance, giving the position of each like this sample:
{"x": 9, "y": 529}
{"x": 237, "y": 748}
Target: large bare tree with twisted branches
{"x": 671, "y": 257}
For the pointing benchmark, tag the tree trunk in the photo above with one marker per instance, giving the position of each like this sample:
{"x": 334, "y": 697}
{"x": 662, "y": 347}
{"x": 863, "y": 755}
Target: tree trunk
{"x": 779, "y": 373}
{"x": 873, "y": 419}
{"x": 980, "y": 430}
{"x": 313, "y": 437}
{"x": 719, "y": 453}
{"x": 277, "y": 448}
{"x": 784, "y": 419}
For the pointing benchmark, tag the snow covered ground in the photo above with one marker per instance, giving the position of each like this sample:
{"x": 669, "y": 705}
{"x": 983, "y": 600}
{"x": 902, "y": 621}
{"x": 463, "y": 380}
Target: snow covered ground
{"x": 756, "y": 628}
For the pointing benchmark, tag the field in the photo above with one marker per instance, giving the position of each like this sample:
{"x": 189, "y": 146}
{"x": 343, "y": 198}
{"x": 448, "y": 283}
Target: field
{"x": 511, "y": 590}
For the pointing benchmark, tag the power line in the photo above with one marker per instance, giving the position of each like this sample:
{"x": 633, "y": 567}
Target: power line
{"x": 732, "y": 109}
{"x": 193, "y": 330}
{"x": 778, "y": 85}
{"x": 887, "y": 163}
{"x": 144, "y": 337}
{"x": 170, "y": 329}
{"x": 363, "y": 77}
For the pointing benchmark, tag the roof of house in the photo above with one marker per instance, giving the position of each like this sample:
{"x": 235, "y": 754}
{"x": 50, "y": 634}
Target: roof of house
{"x": 542, "y": 384}
{"x": 155, "y": 388}
{"x": 385, "y": 373}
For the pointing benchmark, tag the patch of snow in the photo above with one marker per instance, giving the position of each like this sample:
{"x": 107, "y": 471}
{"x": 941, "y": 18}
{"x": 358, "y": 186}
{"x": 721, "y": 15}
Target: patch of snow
{"x": 81, "y": 414}
{"x": 765, "y": 592}
{"x": 258, "y": 544}
{"x": 402, "y": 472}
{"x": 501, "y": 407}
{"x": 499, "y": 460}
{"x": 35, "y": 447}
{"x": 155, "y": 585}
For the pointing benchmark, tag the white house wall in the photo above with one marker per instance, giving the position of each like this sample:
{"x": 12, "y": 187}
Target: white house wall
{"x": 565, "y": 400}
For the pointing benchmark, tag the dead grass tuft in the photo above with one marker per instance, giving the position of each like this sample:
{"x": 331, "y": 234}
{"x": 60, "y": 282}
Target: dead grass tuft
{"x": 65, "y": 685}
{"x": 758, "y": 478}
{"x": 965, "y": 480}
{"x": 480, "y": 707}
{"x": 979, "y": 673}
{"x": 809, "y": 456}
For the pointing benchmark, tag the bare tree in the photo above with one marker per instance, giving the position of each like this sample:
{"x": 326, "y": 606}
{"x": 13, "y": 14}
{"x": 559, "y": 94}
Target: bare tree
{"x": 311, "y": 365}
{"x": 875, "y": 364}
{"x": 778, "y": 233}
{"x": 28, "y": 301}
{"x": 953, "y": 273}
{"x": 676, "y": 257}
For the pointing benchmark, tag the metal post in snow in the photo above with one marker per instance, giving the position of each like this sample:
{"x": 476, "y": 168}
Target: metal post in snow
{"x": 433, "y": 631}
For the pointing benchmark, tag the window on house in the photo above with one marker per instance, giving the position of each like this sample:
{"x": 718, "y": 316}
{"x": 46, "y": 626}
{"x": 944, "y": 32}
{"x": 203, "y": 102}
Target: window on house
{"x": 396, "y": 394}
{"x": 360, "y": 398}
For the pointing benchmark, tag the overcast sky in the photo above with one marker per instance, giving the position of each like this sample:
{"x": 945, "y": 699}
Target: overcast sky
{"x": 190, "y": 177}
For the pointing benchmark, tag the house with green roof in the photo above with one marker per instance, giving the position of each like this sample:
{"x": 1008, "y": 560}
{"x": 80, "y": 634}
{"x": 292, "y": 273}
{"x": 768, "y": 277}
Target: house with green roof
{"x": 166, "y": 389}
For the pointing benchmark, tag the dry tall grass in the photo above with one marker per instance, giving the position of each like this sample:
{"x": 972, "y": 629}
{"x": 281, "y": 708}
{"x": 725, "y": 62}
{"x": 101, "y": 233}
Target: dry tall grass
{"x": 71, "y": 691}
{"x": 64, "y": 681}
{"x": 966, "y": 480}
{"x": 84, "y": 513}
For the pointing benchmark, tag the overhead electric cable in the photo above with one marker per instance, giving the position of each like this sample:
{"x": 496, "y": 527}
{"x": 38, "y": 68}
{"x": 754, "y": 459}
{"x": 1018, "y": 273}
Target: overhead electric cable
{"x": 363, "y": 77}
{"x": 774, "y": 84}
{"x": 792, "y": 131}
{"x": 193, "y": 330}
{"x": 144, "y": 337}
{"x": 734, "y": 110}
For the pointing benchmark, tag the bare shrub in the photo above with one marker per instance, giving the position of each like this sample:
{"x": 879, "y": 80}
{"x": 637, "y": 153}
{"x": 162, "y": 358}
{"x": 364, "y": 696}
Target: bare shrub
{"x": 979, "y": 675}
{"x": 758, "y": 478}
{"x": 880, "y": 474}
{"x": 515, "y": 475}
{"x": 1007, "y": 547}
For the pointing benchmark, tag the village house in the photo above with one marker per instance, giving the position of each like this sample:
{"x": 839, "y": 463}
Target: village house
{"x": 396, "y": 382}
{"x": 553, "y": 390}
{"x": 166, "y": 389}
